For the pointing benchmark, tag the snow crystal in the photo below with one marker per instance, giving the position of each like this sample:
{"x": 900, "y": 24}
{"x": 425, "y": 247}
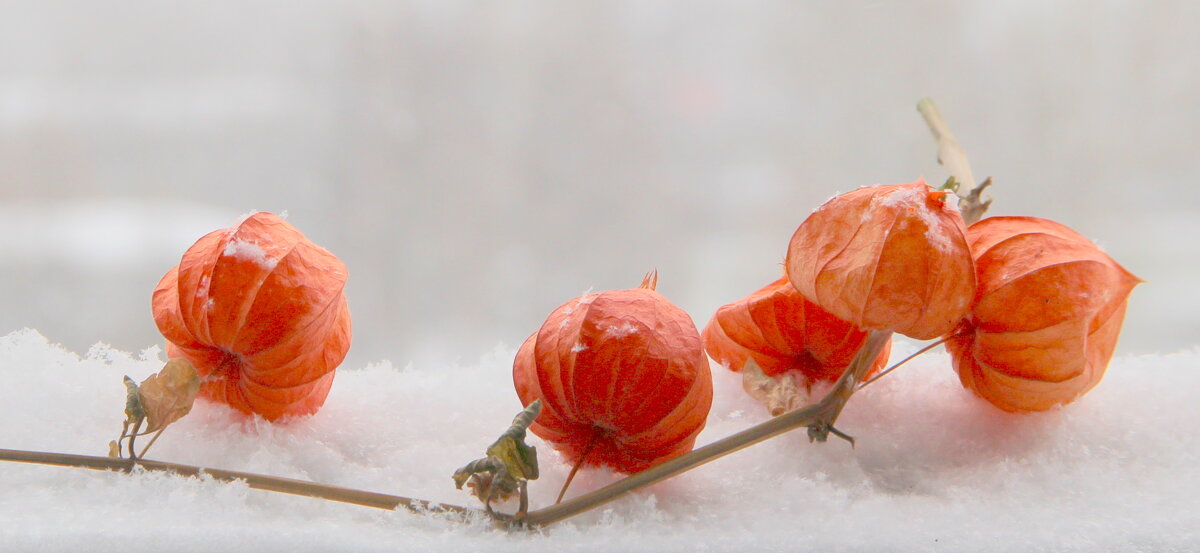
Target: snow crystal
{"x": 242, "y": 219}
{"x": 908, "y": 197}
{"x": 202, "y": 288}
{"x": 249, "y": 251}
{"x": 624, "y": 329}
{"x": 826, "y": 202}
{"x": 578, "y": 347}
{"x": 914, "y": 200}
{"x": 935, "y": 231}
{"x": 585, "y": 299}
{"x": 934, "y": 469}
{"x": 151, "y": 353}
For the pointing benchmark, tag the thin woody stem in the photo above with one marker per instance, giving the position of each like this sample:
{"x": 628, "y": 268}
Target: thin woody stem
{"x": 952, "y": 155}
{"x": 133, "y": 434}
{"x": 523, "y": 507}
{"x": 903, "y": 361}
{"x": 586, "y": 451}
{"x": 124, "y": 434}
{"x": 151, "y": 442}
{"x": 255, "y": 481}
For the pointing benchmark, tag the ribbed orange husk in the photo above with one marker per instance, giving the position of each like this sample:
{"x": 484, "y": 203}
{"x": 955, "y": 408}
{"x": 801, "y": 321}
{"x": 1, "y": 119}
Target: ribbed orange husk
{"x": 1047, "y": 315}
{"x": 622, "y": 367}
{"x": 784, "y": 332}
{"x": 259, "y": 310}
{"x": 887, "y": 257}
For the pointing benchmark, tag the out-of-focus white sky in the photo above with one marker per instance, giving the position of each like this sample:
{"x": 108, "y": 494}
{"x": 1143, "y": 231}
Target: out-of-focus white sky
{"x": 476, "y": 164}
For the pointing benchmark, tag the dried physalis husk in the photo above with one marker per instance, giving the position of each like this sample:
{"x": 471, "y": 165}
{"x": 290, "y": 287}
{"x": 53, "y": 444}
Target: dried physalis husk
{"x": 1047, "y": 315}
{"x": 622, "y": 376}
{"x": 888, "y": 257}
{"x": 783, "y": 344}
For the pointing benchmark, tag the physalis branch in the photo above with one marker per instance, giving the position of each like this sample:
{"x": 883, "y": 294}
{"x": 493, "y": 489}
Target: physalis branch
{"x": 953, "y": 157}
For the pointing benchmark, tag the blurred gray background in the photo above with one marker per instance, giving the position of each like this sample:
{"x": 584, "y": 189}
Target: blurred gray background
{"x": 476, "y": 164}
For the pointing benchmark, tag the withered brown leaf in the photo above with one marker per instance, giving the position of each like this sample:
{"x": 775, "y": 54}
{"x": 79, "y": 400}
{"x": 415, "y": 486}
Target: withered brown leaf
{"x": 778, "y": 394}
{"x": 167, "y": 396}
{"x": 133, "y": 402}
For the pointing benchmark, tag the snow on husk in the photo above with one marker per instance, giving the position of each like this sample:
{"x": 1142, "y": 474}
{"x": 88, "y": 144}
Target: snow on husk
{"x": 935, "y": 469}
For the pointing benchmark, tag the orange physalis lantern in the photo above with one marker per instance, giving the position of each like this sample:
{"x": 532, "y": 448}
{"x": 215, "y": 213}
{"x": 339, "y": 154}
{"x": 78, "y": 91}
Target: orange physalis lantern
{"x": 785, "y": 333}
{"x": 259, "y": 310}
{"x": 622, "y": 379}
{"x": 1046, "y": 317}
{"x": 888, "y": 258}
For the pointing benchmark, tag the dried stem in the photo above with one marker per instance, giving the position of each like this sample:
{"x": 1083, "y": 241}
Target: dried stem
{"x": 954, "y": 158}
{"x": 905, "y": 360}
{"x": 153, "y": 439}
{"x": 133, "y": 434}
{"x": 586, "y": 451}
{"x": 255, "y": 481}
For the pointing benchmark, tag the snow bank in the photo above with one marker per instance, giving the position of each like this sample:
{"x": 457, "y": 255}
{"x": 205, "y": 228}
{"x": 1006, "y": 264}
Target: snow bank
{"x": 935, "y": 468}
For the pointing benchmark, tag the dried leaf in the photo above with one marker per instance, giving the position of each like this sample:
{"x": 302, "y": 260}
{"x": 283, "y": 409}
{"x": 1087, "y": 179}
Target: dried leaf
{"x": 510, "y": 462}
{"x": 114, "y": 450}
{"x": 133, "y": 402}
{"x": 496, "y": 486}
{"x": 478, "y": 466}
{"x": 778, "y": 394}
{"x": 518, "y": 458}
{"x": 168, "y": 396}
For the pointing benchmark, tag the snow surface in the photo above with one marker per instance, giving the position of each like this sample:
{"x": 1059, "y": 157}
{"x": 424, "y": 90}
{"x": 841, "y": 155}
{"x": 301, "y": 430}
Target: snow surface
{"x": 625, "y": 329}
{"x": 935, "y": 469}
